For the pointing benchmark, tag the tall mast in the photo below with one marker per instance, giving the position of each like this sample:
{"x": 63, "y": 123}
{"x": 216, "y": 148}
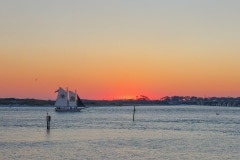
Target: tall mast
{"x": 76, "y": 97}
{"x": 67, "y": 98}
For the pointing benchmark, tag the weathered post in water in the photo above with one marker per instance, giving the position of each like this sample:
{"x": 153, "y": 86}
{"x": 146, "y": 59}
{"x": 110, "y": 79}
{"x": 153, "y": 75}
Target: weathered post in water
{"x": 134, "y": 110}
{"x": 48, "y": 119}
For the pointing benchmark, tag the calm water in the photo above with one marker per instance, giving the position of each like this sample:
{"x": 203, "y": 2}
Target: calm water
{"x": 159, "y": 132}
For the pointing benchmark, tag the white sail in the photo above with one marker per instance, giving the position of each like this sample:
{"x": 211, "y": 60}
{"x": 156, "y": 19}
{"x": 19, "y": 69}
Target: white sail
{"x": 62, "y": 98}
{"x": 72, "y": 99}
{"x": 68, "y": 101}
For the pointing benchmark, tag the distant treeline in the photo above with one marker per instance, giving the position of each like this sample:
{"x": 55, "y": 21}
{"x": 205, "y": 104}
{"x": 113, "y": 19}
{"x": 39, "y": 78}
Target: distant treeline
{"x": 26, "y": 102}
{"x": 142, "y": 100}
{"x": 210, "y": 101}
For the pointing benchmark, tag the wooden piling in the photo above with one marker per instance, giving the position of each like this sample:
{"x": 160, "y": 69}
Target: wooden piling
{"x": 48, "y": 119}
{"x": 134, "y": 110}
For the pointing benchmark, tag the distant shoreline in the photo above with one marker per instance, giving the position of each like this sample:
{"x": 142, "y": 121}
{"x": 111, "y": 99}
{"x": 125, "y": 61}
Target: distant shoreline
{"x": 174, "y": 100}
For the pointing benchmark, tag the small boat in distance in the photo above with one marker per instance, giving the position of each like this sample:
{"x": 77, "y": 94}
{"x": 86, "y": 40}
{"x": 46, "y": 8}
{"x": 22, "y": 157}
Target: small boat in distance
{"x": 68, "y": 101}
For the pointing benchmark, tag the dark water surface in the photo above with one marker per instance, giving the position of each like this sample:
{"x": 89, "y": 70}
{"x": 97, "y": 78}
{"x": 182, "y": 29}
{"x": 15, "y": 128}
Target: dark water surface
{"x": 159, "y": 132}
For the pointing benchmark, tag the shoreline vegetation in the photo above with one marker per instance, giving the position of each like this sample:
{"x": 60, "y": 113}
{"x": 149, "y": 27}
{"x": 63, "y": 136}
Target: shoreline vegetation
{"x": 139, "y": 101}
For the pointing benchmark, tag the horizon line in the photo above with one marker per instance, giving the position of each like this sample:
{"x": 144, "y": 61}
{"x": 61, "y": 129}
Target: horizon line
{"x": 103, "y": 99}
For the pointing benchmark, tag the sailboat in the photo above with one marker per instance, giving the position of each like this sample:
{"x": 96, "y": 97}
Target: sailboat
{"x": 68, "y": 101}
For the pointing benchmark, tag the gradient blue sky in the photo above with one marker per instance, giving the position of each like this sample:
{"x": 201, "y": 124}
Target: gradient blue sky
{"x": 119, "y": 49}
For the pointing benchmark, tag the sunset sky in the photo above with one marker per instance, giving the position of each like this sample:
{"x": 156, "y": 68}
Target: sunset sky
{"x": 112, "y": 49}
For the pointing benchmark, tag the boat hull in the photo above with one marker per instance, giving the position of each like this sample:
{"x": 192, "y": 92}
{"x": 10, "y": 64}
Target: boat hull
{"x": 59, "y": 109}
